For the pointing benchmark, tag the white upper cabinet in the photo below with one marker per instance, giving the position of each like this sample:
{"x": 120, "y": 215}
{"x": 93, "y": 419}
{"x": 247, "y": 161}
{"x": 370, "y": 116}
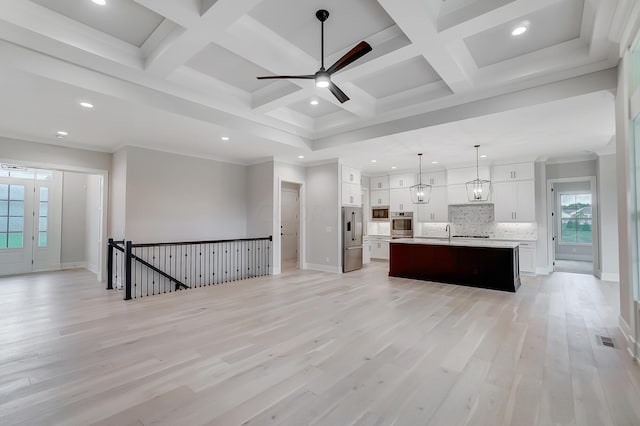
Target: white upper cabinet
{"x": 511, "y": 172}
{"x": 514, "y": 201}
{"x": 437, "y": 210}
{"x": 351, "y": 194}
{"x": 434, "y": 179}
{"x": 402, "y": 181}
{"x": 461, "y": 176}
{"x": 400, "y": 200}
{"x": 350, "y": 175}
{"x": 379, "y": 198}
{"x": 379, "y": 182}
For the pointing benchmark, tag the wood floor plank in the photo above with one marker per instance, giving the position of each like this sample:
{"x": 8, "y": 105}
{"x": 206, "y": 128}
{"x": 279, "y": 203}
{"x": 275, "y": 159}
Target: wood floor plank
{"x": 310, "y": 347}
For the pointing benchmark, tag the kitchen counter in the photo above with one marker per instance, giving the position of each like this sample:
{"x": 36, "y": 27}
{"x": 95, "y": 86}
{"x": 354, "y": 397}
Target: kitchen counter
{"x": 486, "y": 264}
{"x": 471, "y": 242}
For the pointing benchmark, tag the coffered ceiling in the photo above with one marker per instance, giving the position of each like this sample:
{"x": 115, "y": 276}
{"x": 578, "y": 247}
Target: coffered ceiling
{"x": 191, "y": 64}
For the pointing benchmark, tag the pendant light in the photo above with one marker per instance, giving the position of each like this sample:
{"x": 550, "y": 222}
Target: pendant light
{"x": 478, "y": 190}
{"x": 420, "y": 193}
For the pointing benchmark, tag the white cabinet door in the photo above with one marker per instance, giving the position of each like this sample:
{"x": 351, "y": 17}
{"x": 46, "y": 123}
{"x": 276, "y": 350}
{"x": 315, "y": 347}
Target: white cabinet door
{"x": 350, "y": 175}
{"x": 351, "y": 195}
{"x": 525, "y": 201}
{"x": 401, "y": 181}
{"x": 514, "y": 201}
{"x": 527, "y": 253}
{"x": 434, "y": 179}
{"x": 379, "y": 249}
{"x": 380, "y": 198}
{"x": 379, "y": 182}
{"x": 400, "y": 200}
{"x": 366, "y": 253}
{"x": 509, "y": 172}
{"x": 438, "y": 209}
{"x": 462, "y": 176}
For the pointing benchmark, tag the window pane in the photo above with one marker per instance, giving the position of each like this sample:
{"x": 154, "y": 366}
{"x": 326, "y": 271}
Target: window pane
{"x": 3, "y": 240}
{"x": 42, "y": 224}
{"x": 44, "y": 176}
{"x": 22, "y": 175}
{"x": 42, "y": 239}
{"x": 16, "y": 224}
{"x": 16, "y": 208}
{"x": 4, "y": 173}
{"x": 4, "y": 222}
{"x": 4, "y": 208}
{"x": 584, "y": 232}
{"x": 16, "y": 192}
{"x": 44, "y": 209}
{"x": 15, "y": 240}
{"x": 4, "y": 191}
{"x": 568, "y": 232}
{"x": 44, "y": 194}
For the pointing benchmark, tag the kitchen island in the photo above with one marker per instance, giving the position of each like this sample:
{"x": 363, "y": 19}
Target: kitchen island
{"x": 486, "y": 264}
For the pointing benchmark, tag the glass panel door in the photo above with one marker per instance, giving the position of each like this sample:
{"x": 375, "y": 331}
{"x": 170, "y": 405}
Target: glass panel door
{"x": 16, "y": 225}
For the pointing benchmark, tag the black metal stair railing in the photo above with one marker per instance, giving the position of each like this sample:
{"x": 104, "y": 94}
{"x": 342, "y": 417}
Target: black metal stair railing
{"x": 148, "y": 269}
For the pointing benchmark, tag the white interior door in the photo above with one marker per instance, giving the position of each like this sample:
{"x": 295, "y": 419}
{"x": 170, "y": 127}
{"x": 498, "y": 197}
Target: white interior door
{"x": 289, "y": 225}
{"x": 47, "y": 224}
{"x": 16, "y": 226}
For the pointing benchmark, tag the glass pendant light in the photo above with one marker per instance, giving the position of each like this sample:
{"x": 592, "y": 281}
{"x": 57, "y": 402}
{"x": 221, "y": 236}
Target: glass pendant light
{"x": 478, "y": 190}
{"x": 420, "y": 193}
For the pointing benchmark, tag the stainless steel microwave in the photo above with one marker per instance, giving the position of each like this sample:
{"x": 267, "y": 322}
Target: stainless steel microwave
{"x": 380, "y": 213}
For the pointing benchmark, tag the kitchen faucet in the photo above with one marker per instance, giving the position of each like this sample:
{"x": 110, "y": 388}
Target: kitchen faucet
{"x": 448, "y": 230}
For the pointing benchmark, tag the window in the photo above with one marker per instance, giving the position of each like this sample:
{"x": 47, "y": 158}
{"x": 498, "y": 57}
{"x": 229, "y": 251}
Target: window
{"x": 43, "y": 217}
{"x": 576, "y": 219}
{"x": 11, "y": 216}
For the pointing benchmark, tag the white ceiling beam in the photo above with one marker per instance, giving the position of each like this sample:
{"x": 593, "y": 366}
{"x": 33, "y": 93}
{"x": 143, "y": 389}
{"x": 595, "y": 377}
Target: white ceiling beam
{"x": 596, "y": 21}
{"x": 198, "y": 33}
{"x": 183, "y": 13}
{"x": 416, "y": 22}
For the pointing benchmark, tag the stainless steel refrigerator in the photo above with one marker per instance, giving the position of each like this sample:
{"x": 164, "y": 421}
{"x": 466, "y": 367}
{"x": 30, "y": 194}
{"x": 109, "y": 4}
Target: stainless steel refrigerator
{"x": 351, "y": 238}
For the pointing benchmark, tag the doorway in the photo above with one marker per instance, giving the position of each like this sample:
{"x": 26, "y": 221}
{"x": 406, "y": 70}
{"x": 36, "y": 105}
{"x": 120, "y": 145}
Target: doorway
{"x": 289, "y": 225}
{"x": 573, "y": 226}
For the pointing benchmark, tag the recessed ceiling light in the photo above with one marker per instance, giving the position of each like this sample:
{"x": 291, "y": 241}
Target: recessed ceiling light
{"x": 374, "y": 161}
{"x": 434, "y": 162}
{"x": 301, "y": 156}
{"x": 100, "y": 2}
{"x": 519, "y": 31}
{"x": 393, "y": 167}
{"x": 483, "y": 156}
{"x": 314, "y": 102}
{"x": 61, "y": 133}
{"x": 225, "y": 138}
{"x": 86, "y": 105}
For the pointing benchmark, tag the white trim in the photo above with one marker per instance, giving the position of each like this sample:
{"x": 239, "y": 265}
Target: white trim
{"x": 632, "y": 345}
{"x": 610, "y": 276}
{"x": 323, "y": 268}
{"x": 544, "y": 270}
{"x": 579, "y": 257}
{"x": 277, "y": 220}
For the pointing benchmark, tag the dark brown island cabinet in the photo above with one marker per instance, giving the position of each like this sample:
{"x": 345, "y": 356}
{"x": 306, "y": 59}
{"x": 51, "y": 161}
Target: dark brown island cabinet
{"x": 486, "y": 264}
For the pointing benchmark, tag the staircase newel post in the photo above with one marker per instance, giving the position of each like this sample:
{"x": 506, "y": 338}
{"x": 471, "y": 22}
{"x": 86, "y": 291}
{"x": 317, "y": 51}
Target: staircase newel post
{"x": 127, "y": 270}
{"x": 110, "y": 264}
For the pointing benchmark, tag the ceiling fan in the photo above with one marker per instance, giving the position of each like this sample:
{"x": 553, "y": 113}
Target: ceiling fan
{"x": 322, "y": 76}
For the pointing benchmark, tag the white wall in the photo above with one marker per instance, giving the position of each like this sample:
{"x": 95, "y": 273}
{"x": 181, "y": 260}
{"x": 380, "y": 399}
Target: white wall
{"x": 74, "y": 210}
{"x": 93, "y": 238}
{"x": 172, "y": 197}
{"x": 260, "y": 200}
{"x": 118, "y": 195}
{"x": 322, "y": 218}
{"x": 571, "y": 169}
{"x": 608, "y": 213}
{"x": 542, "y": 248}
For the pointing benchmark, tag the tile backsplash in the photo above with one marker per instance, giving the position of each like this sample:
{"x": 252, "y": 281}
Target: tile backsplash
{"x": 378, "y": 228}
{"x": 477, "y": 220}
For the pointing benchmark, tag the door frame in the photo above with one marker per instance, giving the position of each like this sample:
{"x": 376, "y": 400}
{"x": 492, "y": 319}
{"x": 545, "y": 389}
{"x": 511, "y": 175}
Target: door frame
{"x": 277, "y": 261}
{"x": 551, "y": 206}
{"x": 104, "y": 174}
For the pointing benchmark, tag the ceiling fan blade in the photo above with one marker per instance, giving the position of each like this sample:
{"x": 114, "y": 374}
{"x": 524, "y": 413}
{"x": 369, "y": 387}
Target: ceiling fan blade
{"x": 306, "y": 77}
{"x": 339, "y": 94}
{"x": 353, "y": 55}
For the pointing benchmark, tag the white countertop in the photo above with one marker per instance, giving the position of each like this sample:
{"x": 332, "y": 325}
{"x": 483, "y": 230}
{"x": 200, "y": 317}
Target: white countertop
{"x": 457, "y": 242}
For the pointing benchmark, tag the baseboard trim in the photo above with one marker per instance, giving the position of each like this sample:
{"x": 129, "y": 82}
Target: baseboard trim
{"x": 610, "y": 276}
{"x": 75, "y": 265}
{"x": 276, "y": 270}
{"x": 322, "y": 268}
{"x": 632, "y": 345}
{"x": 543, "y": 271}
{"x": 574, "y": 257}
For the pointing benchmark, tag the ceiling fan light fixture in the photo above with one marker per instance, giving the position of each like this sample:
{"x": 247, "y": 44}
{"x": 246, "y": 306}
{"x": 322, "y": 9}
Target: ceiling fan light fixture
{"x": 322, "y": 79}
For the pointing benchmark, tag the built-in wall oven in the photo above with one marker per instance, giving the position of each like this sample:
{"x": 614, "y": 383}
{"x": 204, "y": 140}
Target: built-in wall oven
{"x": 401, "y": 224}
{"x": 380, "y": 213}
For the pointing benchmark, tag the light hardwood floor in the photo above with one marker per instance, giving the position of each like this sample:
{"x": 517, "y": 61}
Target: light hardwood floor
{"x": 314, "y": 348}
